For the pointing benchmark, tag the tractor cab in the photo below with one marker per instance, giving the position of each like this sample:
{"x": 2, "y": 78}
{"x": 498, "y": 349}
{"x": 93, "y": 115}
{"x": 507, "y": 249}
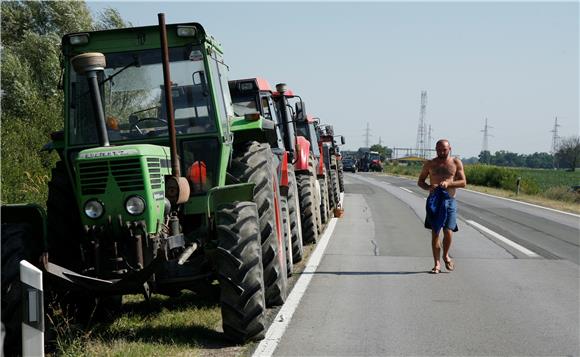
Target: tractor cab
{"x": 253, "y": 96}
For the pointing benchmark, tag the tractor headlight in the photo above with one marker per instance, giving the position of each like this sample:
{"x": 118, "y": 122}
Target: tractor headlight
{"x": 94, "y": 209}
{"x": 135, "y": 205}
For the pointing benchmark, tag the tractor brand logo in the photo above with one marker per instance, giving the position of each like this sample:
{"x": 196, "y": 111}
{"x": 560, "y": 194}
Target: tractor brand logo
{"x": 113, "y": 153}
{"x": 159, "y": 195}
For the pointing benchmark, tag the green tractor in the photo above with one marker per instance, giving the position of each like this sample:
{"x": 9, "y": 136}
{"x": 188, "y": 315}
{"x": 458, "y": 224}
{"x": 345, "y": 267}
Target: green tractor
{"x": 160, "y": 187}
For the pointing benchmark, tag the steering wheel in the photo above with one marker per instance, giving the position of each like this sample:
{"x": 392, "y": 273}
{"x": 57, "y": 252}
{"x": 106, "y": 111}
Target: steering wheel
{"x": 135, "y": 125}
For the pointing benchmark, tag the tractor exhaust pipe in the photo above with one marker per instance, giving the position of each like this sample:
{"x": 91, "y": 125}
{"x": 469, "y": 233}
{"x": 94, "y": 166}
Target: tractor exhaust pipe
{"x": 90, "y": 64}
{"x": 176, "y": 187}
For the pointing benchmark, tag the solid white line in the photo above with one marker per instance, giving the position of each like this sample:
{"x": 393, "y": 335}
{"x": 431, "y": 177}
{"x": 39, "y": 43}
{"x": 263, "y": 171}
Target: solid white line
{"x": 281, "y": 321}
{"x": 498, "y": 236}
{"x": 406, "y": 189}
{"x": 524, "y": 203}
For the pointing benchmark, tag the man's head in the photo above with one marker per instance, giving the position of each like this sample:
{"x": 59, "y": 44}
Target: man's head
{"x": 443, "y": 148}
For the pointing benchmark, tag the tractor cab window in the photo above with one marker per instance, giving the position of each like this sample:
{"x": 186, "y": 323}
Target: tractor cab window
{"x": 132, "y": 92}
{"x": 307, "y": 130}
{"x": 244, "y": 104}
{"x": 266, "y": 108}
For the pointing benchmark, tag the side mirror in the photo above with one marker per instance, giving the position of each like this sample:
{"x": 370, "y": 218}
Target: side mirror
{"x": 342, "y": 140}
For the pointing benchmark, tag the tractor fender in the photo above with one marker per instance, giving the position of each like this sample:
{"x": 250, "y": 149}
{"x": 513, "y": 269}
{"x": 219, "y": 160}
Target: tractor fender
{"x": 302, "y": 154}
{"x": 283, "y": 174}
{"x": 320, "y": 168}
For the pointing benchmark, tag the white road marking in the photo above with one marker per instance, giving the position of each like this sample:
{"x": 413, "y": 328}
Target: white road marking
{"x": 498, "y": 236}
{"x": 406, "y": 189}
{"x": 524, "y": 203}
{"x": 282, "y": 319}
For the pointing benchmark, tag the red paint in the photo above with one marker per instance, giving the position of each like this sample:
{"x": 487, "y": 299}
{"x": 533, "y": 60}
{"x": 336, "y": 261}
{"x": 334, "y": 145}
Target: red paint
{"x": 302, "y": 153}
{"x": 284, "y": 170}
{"x": 279, "y": 226}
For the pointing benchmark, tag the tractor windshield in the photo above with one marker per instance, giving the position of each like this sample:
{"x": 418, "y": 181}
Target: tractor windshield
{"x": 132, "y": 91}
{"x": 244, "y": 104}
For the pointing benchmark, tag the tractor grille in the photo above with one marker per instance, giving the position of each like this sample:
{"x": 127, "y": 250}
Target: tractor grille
{"x": 154, "y": 166}
{"x": 93, "y": 177}
{"x": 127, "y": 174}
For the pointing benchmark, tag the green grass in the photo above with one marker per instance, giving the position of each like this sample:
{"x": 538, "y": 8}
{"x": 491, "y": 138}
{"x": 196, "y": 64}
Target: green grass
{"x": 163, "y": 326}
{"x": 550, "y": 178}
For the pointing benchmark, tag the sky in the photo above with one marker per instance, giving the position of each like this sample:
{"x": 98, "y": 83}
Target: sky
{"x": 514, "y": 63}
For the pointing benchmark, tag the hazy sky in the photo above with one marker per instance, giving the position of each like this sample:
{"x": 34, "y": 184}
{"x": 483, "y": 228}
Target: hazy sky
{"x": 353, "y": 63}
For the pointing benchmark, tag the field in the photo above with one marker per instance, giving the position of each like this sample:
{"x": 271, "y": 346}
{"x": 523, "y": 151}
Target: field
{"x": 544, "y": 179}
{"x": 550, "y": 178}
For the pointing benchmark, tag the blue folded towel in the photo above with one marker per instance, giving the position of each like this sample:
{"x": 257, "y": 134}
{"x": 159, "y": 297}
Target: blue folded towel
{"x": 436, "y": 209}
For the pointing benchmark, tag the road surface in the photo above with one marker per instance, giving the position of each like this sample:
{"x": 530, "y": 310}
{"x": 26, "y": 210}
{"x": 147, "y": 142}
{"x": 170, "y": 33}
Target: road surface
{"x": 515, "y": 289}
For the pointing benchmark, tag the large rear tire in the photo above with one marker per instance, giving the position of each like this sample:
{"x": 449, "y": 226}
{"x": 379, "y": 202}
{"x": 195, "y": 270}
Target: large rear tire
{"x": 64, "y": 228}
{"x": 334, "y": 189}
{"x": 287, "y": 238}
{"x": 324, "y": 203}
{"x": 240, "y": 271}
{"x": 295, "y": 222}
{"x": 308, "y": 209}
{"x": 340, "y": 169}
{"x": 253, "y": 162}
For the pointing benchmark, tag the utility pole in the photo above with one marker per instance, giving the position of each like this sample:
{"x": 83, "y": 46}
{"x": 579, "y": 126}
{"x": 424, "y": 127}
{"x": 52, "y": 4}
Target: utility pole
{"x": 380, "y": 141}
{"x": 367, "y": 136}
{"x": 422, "y": 128}
{"x": 430, "y": 140}
{"x": 555, "y": 142}
{"x": 555, "y": 137}
{"x": 486, "y": 135}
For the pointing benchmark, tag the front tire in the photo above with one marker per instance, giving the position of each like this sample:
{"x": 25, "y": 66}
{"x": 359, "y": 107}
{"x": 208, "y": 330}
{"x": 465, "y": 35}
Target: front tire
{"x": 240, "y": 271}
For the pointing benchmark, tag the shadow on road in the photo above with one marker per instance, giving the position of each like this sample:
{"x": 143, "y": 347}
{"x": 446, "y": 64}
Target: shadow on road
{"x": 368, "y": 272}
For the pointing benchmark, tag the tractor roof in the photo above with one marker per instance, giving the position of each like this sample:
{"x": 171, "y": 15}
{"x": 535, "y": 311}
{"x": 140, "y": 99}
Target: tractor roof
{"x": 134, "y": 38}
{"x": 253, "y": 84}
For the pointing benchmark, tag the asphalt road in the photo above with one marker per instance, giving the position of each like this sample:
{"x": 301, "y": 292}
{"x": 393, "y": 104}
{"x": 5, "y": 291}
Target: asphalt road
{"x": 372, "y": 294}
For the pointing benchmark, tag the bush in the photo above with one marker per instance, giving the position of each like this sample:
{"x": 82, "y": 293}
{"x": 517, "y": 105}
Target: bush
{"x": 562, "y": 193}
{"x": 499, "y": 177}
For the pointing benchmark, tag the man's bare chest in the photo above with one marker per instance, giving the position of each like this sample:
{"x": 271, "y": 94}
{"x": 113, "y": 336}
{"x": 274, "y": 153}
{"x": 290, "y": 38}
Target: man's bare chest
{"x": 443, "y": 169}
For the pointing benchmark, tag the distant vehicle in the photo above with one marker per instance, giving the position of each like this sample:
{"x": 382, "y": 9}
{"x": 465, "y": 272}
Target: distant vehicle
{"x": 349, "y": 165}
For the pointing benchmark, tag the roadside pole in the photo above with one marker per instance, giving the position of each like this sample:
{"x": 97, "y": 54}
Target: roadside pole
{"x": 32, "y": 310}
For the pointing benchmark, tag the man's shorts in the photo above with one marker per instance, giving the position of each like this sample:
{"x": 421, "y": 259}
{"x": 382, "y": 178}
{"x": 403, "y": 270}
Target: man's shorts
{"x": 451, "y": 220}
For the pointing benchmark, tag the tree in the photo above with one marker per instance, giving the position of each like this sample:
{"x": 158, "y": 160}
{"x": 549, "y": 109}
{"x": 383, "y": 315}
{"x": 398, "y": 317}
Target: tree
{"x": 568, "y": 154}
{"x": 485, "y": 157}
{"x": 31, "y": 102}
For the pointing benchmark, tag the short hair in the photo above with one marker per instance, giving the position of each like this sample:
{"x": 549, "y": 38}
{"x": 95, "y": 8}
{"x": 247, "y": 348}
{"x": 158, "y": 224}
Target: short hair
{"x": 441, "y": 141}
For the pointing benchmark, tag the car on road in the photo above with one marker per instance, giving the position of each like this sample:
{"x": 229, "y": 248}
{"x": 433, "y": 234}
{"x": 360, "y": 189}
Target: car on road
{"x": 349, "y": 164}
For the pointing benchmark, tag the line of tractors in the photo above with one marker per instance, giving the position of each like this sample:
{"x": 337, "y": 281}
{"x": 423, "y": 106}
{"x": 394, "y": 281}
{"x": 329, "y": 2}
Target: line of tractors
{"x": 171, "y": 177}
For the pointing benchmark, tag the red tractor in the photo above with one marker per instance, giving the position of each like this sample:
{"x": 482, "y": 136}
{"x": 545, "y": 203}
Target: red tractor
{"x": 253, "y": 96}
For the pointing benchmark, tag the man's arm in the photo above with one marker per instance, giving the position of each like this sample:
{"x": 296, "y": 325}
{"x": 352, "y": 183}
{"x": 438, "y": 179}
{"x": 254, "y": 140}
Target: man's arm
{"x": 459, "y": 180}
{"x": 423, "y": 176}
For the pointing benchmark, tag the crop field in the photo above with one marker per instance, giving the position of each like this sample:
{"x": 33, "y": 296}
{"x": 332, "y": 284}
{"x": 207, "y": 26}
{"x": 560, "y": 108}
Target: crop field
{"x": 550, "y": 178}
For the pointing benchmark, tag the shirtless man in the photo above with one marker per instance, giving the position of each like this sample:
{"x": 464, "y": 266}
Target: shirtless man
{"x": 445, "y": 172}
